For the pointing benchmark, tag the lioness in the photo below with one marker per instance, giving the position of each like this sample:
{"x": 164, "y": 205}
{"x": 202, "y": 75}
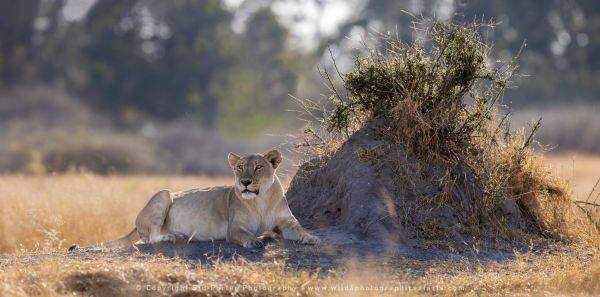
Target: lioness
{"x": 241, "y": 213}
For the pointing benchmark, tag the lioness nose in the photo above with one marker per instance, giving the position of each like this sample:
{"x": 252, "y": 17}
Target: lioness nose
{"x": 245, "y": 182}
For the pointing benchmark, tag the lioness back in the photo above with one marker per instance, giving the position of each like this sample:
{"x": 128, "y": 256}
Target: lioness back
{"x": 200, "y": 214}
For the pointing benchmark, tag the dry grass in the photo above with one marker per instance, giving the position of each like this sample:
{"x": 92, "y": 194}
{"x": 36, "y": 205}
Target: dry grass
{"x": 141, "y": 275}
{"x": 50, "y": 212}
{"x": 580, "y": 170}
{"x": 155, "y": 276}
{"x": 547, "y": 275}
{"x": 41, "y": 212}
{"x": 548, "y": 199}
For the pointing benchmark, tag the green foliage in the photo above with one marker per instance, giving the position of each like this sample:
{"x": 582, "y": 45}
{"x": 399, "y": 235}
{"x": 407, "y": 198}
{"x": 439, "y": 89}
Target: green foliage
{"x": 433, "y": 78}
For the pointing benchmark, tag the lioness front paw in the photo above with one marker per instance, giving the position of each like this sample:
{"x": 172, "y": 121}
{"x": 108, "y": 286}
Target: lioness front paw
{"x": 255, "y": 243}
{"x": 170, "y": 238}
{"x": 163, "y": 238}
{"x": 310, "y": 239}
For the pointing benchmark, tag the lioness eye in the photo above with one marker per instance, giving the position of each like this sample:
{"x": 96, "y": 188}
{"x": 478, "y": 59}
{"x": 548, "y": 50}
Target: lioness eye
{"x": 259, "y": 167}
{"x": 240, "y": 167}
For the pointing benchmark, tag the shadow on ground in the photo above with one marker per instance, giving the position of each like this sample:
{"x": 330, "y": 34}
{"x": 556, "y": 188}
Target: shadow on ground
{"x": 338, "y": 246}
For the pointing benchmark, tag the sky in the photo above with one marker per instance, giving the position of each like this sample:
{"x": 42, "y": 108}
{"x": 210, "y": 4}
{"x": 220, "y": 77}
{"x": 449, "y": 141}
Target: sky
{"x": 76, "y": 9}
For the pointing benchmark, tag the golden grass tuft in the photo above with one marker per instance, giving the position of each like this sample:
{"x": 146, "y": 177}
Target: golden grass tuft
{"x": 548, "y": 198}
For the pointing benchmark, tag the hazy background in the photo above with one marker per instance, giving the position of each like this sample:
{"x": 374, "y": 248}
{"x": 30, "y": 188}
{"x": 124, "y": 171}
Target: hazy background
{"x": 156, "y": 86}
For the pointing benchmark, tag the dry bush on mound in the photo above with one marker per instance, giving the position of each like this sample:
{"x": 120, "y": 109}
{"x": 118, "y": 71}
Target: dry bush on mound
{"x": 424, "y": 150}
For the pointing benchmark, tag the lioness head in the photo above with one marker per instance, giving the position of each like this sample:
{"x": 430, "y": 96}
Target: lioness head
{"x": 254, "y": 173}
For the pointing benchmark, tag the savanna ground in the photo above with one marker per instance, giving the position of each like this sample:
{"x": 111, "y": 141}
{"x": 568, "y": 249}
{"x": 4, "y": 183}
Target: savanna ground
{"x": 42, "y": 215}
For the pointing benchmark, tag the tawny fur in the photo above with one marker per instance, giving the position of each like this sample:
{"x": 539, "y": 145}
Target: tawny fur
{"x": 240, "y": 213}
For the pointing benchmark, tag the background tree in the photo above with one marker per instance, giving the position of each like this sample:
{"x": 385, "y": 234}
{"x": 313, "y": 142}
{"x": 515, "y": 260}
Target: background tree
{"x": 256, "y": 90}
{"x": 561, "y": 60}
{"x": 17, "y": 20}
{"x": 156, "y": 57}
{"x": 163, "y": 60}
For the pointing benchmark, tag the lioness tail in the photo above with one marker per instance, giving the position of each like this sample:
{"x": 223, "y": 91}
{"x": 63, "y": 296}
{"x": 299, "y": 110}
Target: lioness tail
{"x": 126, "y": 240}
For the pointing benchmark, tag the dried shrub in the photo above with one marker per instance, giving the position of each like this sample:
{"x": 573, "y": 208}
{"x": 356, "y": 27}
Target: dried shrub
{"x": 436, "y": 101}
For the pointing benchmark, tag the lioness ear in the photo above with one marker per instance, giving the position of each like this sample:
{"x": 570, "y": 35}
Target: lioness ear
{"x": 274, "y": 157}
{"x": 233, "y": 159}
